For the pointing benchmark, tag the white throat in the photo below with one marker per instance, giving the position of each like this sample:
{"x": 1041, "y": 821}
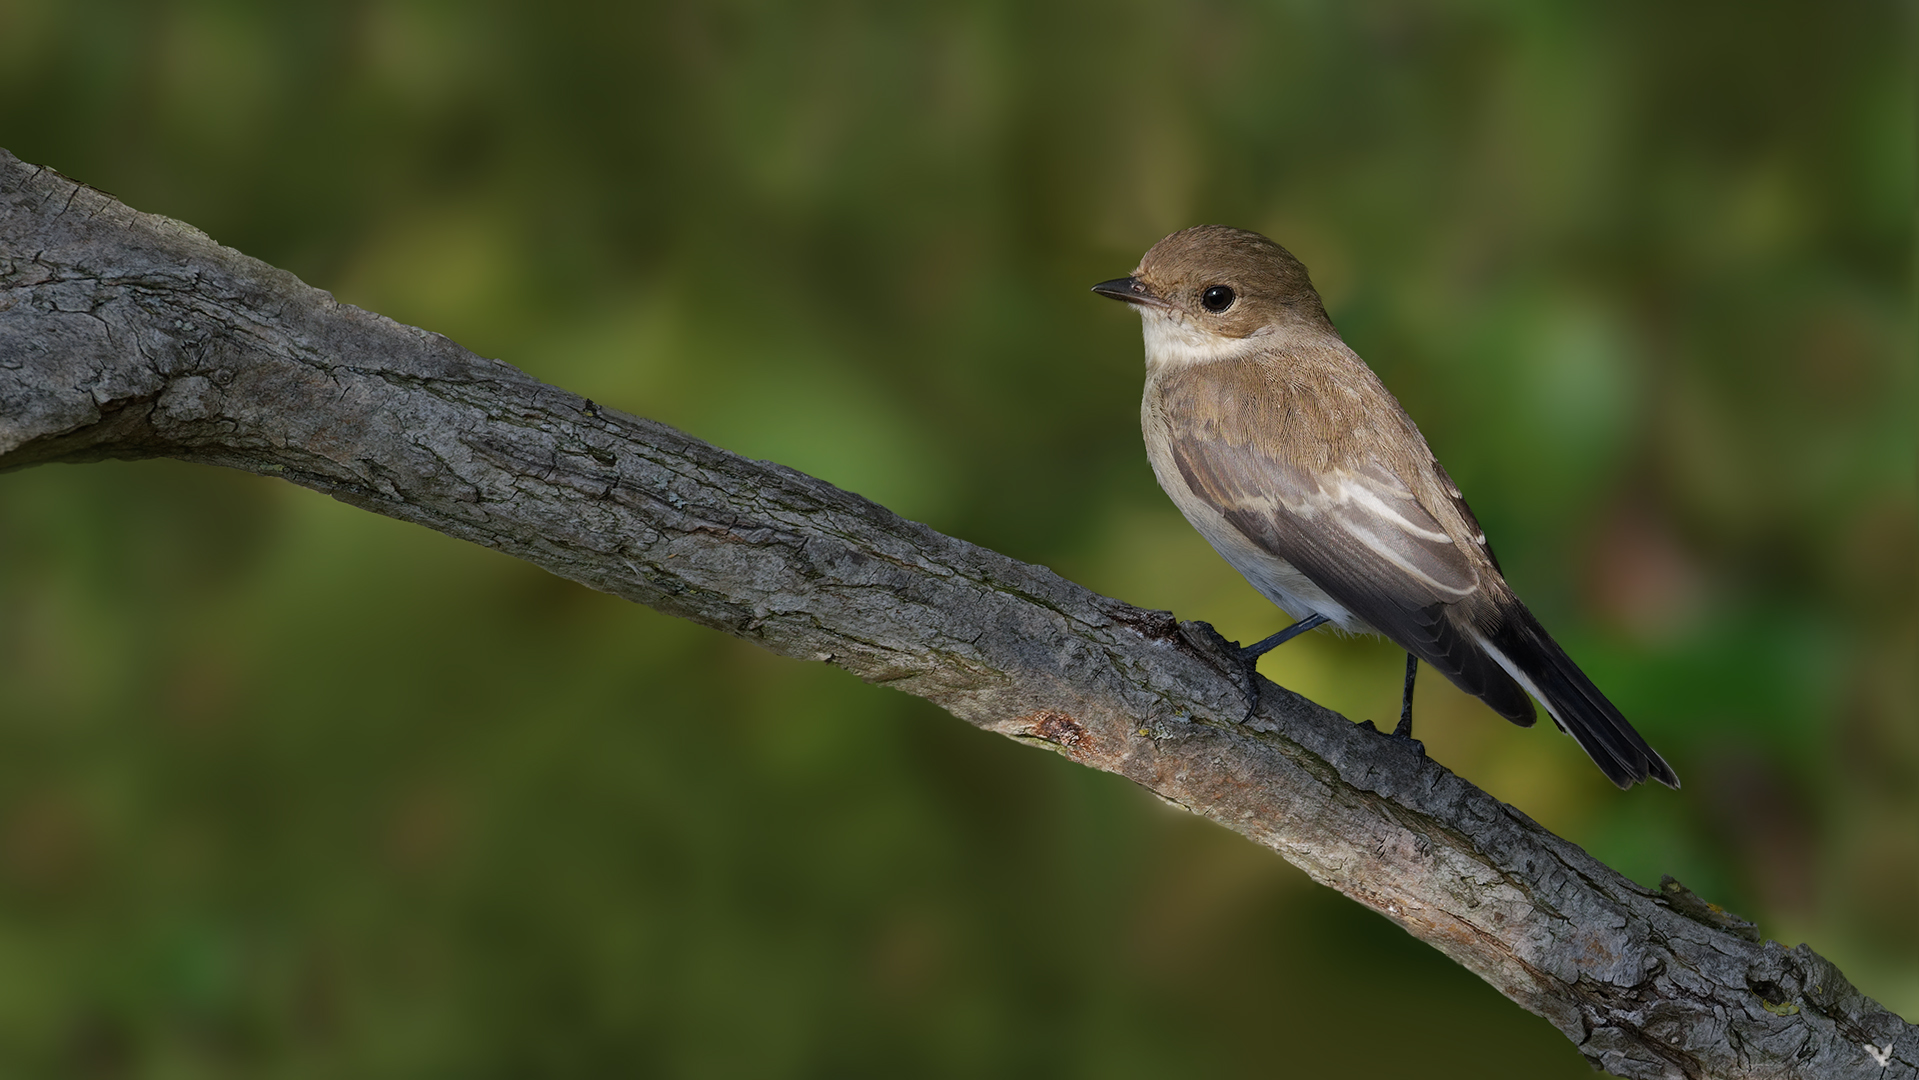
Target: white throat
{"x": 1172, "y": 341}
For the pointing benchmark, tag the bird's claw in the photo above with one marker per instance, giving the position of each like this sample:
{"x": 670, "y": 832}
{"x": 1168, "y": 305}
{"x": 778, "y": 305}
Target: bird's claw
{"x": 1240, "y": 666}
{"x": 1249, "y": 684}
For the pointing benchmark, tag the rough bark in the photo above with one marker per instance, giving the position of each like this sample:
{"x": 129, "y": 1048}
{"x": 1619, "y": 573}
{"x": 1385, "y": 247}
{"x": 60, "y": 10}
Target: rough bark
{"x": 126, "y": 335}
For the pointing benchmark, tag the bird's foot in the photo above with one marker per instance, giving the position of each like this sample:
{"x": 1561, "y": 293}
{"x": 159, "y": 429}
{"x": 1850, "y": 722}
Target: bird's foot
{"x": 1249, "y": 658}
{"x": 1240, "y": 666}
{"x": 1403, "y": 731}
{"x": 1248, "y": 682}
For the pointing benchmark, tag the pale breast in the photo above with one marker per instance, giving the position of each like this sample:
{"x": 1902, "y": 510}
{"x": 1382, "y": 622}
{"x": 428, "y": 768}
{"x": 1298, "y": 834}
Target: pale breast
{"x": 1274, "y": 578}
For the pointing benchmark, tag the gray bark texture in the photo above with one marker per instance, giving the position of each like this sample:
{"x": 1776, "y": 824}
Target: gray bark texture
{"x": 126, "y": 335}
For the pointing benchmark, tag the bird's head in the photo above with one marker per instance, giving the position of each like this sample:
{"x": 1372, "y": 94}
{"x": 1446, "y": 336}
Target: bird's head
{"x": 1208, "y": 290}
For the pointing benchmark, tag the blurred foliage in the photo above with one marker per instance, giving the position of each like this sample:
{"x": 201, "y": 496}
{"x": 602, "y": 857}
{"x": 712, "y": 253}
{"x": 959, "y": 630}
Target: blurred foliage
{"x": 289, "y": 790}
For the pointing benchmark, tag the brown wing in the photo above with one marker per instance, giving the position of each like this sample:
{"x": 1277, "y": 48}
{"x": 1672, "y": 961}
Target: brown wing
{"x": 1352, "y": 526}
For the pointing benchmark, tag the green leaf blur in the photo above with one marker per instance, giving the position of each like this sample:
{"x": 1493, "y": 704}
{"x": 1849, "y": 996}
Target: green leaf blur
{"x": 288, "y": 790}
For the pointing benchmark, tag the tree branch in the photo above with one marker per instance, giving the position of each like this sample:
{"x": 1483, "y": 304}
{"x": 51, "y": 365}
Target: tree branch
{"x": 126, "y": 335}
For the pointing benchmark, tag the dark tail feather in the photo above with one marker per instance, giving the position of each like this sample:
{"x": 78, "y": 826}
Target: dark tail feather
{"x": 1462, "y": 658}
{"x": 1575, "y": 703}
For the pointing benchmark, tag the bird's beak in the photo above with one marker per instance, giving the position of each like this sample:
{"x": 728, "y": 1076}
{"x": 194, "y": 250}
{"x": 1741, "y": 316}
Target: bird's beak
{"x": 1131, "y": 290}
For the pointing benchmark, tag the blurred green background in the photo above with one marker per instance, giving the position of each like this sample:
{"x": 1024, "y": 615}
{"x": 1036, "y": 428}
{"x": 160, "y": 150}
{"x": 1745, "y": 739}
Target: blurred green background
{"x": 290, "y": 790}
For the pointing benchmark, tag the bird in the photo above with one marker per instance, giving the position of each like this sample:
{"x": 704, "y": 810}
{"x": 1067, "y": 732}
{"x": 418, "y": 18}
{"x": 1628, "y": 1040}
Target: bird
{"x": 1290, "y": 456}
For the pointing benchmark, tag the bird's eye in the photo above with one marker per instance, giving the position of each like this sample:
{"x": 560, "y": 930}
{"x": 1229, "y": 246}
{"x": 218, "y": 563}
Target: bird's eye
{"x": 1216, "y": 298}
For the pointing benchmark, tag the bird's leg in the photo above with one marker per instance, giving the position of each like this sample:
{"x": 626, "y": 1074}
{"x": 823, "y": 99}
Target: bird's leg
{"x": 1405, "y": 728}
{"x": 1249, "y": 656}
{"x": 1260, "y": 648}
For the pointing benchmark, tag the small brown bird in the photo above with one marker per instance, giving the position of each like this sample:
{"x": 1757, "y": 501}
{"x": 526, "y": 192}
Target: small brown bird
{"x": 1291, "y": 458}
